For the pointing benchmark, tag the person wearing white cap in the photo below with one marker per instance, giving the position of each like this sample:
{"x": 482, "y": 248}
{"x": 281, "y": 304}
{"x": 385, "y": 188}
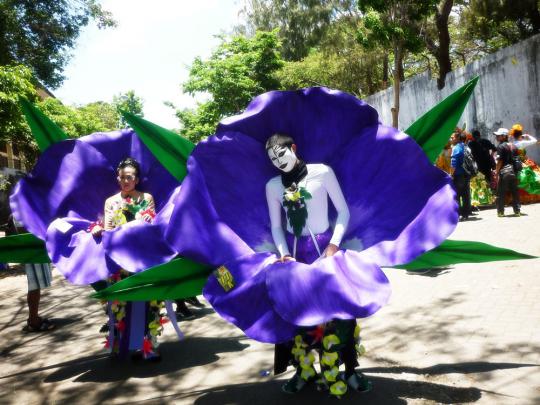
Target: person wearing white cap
{"x": 506, "y": 172}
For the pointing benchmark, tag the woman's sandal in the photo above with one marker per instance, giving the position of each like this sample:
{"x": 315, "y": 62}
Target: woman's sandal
{"x": 45, "y": 325}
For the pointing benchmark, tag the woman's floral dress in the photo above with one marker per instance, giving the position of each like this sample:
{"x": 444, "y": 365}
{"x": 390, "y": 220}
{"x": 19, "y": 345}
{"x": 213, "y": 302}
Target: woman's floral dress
{"x": 132, "y": 325}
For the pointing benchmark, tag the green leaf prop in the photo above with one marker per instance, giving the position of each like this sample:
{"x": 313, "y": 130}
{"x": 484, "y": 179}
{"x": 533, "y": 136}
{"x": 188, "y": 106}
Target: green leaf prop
{"x": 171, "y": 149}
{"x": 23, "y": 248}
{"x": 433, "y": 129}
{"x": 529, "y": 181}
{"x": 177, "y": 279}
{"x": 459, "y": 251}
{"x": 43, "y": 129}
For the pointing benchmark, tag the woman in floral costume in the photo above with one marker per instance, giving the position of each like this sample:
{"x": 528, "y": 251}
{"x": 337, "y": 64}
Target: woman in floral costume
{"x": 133, "y": 325}
{"x": 529, "y": 176}
{"x": 61, "y": 201}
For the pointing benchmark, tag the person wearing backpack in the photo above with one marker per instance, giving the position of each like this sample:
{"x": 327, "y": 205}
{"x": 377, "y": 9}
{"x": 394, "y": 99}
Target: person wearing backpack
{"x": 508, "y": 166}
{"x": 461, "y": 178}
{"x": 482, "y": 151}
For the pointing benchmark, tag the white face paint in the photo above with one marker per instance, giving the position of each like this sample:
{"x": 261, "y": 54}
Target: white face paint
{"x": 282, "y": 157}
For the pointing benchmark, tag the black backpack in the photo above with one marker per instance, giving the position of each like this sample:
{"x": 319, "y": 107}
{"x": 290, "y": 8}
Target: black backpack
{"x": 469, "y": 164}
{"x": 516, "y": 161}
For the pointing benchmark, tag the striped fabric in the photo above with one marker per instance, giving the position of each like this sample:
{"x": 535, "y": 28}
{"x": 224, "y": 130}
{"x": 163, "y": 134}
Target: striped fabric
{"x": 39, "y": 275}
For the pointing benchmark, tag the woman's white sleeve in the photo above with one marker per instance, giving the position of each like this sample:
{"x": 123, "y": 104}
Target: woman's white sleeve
{"x": 336, "y": 195}
{"x": 530, "y": 140}
{"x": 274, "y": 210}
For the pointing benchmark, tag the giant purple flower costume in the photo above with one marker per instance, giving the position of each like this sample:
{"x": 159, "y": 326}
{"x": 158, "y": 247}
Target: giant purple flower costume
{"x": 400, "y": 204}
{"x": 65, "y": 193}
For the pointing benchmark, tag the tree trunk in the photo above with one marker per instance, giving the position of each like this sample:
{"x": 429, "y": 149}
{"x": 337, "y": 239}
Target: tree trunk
{"x": 401, "y": 70}
{"x": 397, "y": 62}
{"x": 385, "y": 70}
{"x": 443, "y": 52}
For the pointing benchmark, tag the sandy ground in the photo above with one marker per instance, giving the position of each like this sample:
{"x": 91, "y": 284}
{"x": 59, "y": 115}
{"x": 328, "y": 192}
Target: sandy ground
{"x": 465, "y": 334}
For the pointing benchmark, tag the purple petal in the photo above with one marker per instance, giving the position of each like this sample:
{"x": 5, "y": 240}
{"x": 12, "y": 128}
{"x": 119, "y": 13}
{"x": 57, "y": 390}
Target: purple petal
{"x": 247, "y": 305}
{"x": 196, "y": 229}
{"x": 77, "y": 254}
{"x": 344, "y": 286}
{"x": 69, "y": 177}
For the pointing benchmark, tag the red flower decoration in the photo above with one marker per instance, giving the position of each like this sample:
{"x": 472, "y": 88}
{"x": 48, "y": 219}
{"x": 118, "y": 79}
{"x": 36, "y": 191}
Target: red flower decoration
{"x": 121, "y": 326}
{"x": 163, "y": 320}
{"x": 94, "y": 224}
{"x": 150, "y": 212}
{"x": 147, "y": 346}
{"x": 317, "y": 333}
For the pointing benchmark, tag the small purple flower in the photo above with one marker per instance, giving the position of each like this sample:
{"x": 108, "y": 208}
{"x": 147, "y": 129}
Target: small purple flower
{"x": 66, "y": 192}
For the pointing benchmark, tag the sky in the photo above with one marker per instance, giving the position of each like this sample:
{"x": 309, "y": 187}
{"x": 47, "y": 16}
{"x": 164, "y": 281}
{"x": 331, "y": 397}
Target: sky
{"x": 149, "y": 52}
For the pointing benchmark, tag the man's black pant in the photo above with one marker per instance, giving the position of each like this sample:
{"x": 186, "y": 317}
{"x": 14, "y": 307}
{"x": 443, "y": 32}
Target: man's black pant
{"x": 462, "y": 185}
{"x": 507, "y": 182}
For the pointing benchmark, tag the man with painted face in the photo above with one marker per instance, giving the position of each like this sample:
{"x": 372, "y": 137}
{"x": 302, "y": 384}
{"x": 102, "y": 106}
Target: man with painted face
{"x": 302, "y": 190}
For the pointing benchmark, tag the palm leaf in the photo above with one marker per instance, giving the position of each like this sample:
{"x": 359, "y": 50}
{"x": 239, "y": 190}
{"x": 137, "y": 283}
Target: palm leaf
{"x": 23, "y": 248}
{"x": 177, "y": 279}
{"x": 171, "y": 149}
{"x": 458, "y": 251}
{"x": 433, "y": 129}
{"x": 43, "y": 129}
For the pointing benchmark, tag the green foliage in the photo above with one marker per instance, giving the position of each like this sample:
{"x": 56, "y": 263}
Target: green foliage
{"x": 104, "y": 115}
{"x": 239, "y": 69}
{"x": 15, "y": 81}
{"x": 80, "y": 121}
{"x": 39, "y": 33}
{"x": 301, "y": 23}
{"x": 4, "y": 182}
{"x": 394, "y": 23}
{"x": 354, "y": 70}
{"x": 128, "y": 102}
{"x": 491, "y": 25}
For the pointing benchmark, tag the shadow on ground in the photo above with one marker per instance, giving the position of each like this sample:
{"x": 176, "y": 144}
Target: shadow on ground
{"x": 191, "y": 352}
{"x": 430, "y": 272}
{"x": 387, "y": 391}
{"x": 460, "y": 368}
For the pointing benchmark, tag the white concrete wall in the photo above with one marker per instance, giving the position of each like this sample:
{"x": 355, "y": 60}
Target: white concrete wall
{"x": 508, "y": 92}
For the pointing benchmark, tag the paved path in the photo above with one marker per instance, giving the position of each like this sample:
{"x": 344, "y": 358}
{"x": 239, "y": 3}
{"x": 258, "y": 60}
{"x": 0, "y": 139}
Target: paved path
{"x": 467, "y": 334}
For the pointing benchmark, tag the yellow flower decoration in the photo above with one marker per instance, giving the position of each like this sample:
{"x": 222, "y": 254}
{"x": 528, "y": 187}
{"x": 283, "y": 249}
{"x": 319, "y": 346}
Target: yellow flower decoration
{"x": 292, "y": 196}
{"x": 307, "y": 373}
{"x": 307, "y": 361}
{"x": 299, "y": 342}
{"x": 329, "y": 358}
{"x": 361, "y": 350}
{"x": 331, "y": 375}
{"x": 338, "y": 389}
{"x": 330, "y": 340}
{"x": 297, "y": 352}
{"x": 357, "y": 330}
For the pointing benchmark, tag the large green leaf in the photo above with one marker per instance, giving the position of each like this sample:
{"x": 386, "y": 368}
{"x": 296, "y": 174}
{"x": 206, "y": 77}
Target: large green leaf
{"x": 43, "y": 129}
{"x": 458, "y": 251}
{"x": 433, "y": 129}
{"x": 171, "y": 149}
{"x": 23, "y": 248}
{"x": 529, "y": 180}
{"x": 179, "y": 278}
